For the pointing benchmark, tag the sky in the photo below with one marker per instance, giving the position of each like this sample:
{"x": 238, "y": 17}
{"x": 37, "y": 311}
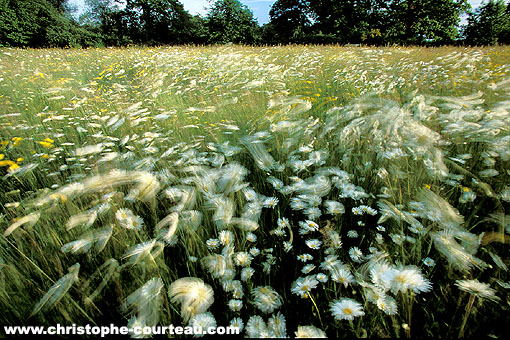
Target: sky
{"x": 260, "y": 8}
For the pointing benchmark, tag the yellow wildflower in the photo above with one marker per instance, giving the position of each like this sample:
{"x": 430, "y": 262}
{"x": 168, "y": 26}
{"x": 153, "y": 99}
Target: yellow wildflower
{"x": 46, "y": 144}
{"x": 13, "y": 167}
{"x": 6, "y": 163}
{"x": 16, "y": 141}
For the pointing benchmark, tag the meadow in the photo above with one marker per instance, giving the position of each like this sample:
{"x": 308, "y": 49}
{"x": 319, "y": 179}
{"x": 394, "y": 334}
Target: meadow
{"x": 299, "y": 191}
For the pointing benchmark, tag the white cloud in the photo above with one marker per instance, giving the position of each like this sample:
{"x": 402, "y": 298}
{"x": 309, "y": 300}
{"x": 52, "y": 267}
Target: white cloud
{"x": 196, "y": 6}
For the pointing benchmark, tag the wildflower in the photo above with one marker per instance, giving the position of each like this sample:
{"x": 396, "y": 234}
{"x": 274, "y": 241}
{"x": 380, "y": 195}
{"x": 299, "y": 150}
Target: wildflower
{"x": 479, "y": 289}
{"x": 279, "y": 232}
{"x": 259, "y": 153}
{"x": 283, "y": 222}
{"x": 406, "y": 278}
{"x": 397, "y": 238}
{"x": 250, "y": 194}
{"x": 310, "y": 332}
{"x": 270, "y": 202}
{"x": 254, "y": 251}
{"x": 308, "y": 268}
{"x": 276, "y": 183}
{"x": 215, "y": 264}
{"x": 256, "y": 327}
{"x": 277, "y": 326}
{"x": 467, "y": 195}
{"x": 305, "y": 257}
{"x": 334, "y": 207}
{"x": 46, "y": 144}
{"x": 371, "y": 211}
{"x": 438, "y": 210}
{"x": 355, "y": 254}
{"x": 313, "y": 244}
{"x": 387, "y": 304}
{"x": 318, "y": 157}
{"x": 428, "y": 262}
{"x": 242, "y": 259}
{"x": 247, "y": 273}
{"x": 128, "y": 219}
{"x": 357, "y": 211}
{"x": 342, "y": 274}
{"x": 308, "y": 226}
{"x": 313, "y": 213}
{"x": 287, "y": 246}
{"x": 330, "y": 262}
{"x": 270, "y": 258}
{"x": 266, "y": 299}
{"x": 226, "y": 237}
{"x": 228, "y": 275}
{"x": 346, "y": 309}
{"x": 237, "y": 323}
{"x": 321, "y": 277}
{"x": 372, "y": 250}
{"x": 235, "y": 305}
{"x": 193, "y": 294}
{"x": 212, "y": 243}
{"x": 352, "y": 234}
{"x": 297, "y": 203}
{"x": 304, "y": 285}
{"x": 202, "y": 321}
{"x": 251, "y": 237}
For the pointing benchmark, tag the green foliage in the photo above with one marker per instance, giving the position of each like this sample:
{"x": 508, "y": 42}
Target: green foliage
{"x": 229, "y": 21}
{"x": 290, "y": 22}
{"x": 489, "y": 24}
{"x": 425, "y": 21}
{"x": 41, "y": 23}
{"x": 17, "y": 24}
{"x": 155, "y": 22}
{"x": 49, "y": 23}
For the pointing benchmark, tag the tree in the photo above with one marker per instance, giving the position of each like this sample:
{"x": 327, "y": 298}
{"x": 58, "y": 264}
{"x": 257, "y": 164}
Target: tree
{"x": 347, "y": 21}
{"x": 106, "y": 19}
{"x": 40, "y": 23}
{"x": 387, "y": 21}
{"x": 425, "y": 21}
{"x": 157, "y": 21}
{"x": 290, "y": 22}
{"x": 229, "y": 21}
{"x": 489, "y": 24}
{"x": 17, "y": 24}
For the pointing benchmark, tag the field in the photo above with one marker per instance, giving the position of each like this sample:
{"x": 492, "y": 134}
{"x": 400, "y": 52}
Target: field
{"x": 289, "y": 191}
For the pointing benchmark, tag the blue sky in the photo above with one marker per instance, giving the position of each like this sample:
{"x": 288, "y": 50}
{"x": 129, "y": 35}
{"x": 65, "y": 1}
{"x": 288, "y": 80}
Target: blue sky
{"x": 260, "y": 8}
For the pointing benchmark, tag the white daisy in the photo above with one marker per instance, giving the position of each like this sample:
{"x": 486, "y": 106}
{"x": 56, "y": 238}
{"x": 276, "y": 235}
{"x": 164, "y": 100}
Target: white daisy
{"x": 346, "y": 309}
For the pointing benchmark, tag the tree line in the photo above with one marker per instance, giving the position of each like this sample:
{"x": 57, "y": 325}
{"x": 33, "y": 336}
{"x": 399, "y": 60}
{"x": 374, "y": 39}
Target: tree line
{"x": 50, "y": 23}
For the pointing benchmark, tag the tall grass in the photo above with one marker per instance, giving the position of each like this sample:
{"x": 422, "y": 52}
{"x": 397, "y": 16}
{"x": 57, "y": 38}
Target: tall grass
{"x": 301, "y": 190}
